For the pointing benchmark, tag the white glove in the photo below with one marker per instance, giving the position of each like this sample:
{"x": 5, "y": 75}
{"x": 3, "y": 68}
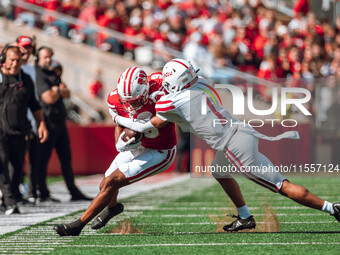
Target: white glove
{"x": 155, "y": 96}
{"x": 133, "y": 147}
{"x": 126, "y": 146}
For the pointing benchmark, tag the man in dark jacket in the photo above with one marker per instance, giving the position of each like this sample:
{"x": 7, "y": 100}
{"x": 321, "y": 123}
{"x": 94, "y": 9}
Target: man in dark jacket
{"x": 51, "y": 91}
{"x": 16, "y": 96}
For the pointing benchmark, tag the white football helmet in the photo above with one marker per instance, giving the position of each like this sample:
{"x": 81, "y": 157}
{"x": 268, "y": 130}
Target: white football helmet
{"x": 133, "y": 88}
{"x": 177, "y": 74}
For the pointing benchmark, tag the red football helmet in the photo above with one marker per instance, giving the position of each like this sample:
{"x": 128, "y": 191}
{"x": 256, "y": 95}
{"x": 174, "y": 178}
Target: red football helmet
{"x": 133, "y": 88}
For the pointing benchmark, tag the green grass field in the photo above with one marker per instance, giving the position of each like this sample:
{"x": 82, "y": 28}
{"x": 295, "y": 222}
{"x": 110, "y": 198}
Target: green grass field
{"x": 187, "y": 218}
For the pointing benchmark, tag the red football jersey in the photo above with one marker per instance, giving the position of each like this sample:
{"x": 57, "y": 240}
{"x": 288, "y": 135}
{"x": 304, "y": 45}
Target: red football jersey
{"x": 159, "y": 139}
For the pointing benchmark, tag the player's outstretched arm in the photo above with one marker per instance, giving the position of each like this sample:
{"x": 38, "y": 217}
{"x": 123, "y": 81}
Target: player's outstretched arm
{"x": 153, "y": 123}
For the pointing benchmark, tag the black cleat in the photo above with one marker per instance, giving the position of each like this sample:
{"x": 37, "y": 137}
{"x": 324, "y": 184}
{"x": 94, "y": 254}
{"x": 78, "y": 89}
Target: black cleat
{"x": 240, "y": 224}
{"x": 336, "y": 207}
{"x": 64, "y": 230}
{"x": 107, "y": 214}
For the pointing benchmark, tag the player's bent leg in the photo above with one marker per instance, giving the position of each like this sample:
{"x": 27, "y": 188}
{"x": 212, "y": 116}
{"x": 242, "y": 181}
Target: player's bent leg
{"x": 114, "y": 208}
{"x": 301, "y": 195}
{"x": 145, "y": 164}
{"x": 228, "y": 183}
{"x": 243, "y": 153}
{"x": 272, "y": 178}
{"x": 230, "y": 186}
{"x": 304, "y": 197}
{"x": 258, "y": 168}
{"x": 110, "y": 186}
{"x": 244, "y": 219}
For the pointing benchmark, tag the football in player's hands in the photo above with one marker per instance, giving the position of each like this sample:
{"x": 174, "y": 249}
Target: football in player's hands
{"x": 131, "y": 133}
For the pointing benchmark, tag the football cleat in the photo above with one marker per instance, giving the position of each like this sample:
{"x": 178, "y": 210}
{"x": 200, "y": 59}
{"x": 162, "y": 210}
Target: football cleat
{"x": 336, "y": 207}
{"x": 12, "y": 210}
{"x": 240, "y": 224}
{"x": 107, "y": 214}
{"x": 63, "y": 230}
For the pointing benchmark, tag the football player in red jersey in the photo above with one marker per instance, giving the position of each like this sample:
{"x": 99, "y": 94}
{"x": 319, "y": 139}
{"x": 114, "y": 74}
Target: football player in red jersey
{"x": 135, "y": 97}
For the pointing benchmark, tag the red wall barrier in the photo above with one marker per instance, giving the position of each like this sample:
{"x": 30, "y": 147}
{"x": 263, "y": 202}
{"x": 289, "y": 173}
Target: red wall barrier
{"x": 93, "y": 148}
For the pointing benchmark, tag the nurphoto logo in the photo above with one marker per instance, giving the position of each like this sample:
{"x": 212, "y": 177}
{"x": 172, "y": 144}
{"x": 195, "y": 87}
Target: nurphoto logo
{"x": 302, "y": 96}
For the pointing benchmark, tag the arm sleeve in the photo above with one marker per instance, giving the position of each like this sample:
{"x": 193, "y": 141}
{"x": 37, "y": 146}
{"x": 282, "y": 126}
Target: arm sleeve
{"x": 164, "y": 109}
{"x": 134, "y": 125}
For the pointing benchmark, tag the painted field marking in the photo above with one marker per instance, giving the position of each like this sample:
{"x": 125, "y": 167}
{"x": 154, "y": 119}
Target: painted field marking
{"x": 222, "y": 222}
{"x": 197, "y": 244}
{"x": 221, "y": 215}
{"x": 182, "y": 208}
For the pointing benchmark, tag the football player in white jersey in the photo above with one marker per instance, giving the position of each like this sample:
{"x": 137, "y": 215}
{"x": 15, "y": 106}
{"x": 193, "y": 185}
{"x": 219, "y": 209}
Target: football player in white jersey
{"x": 235, "y": 144}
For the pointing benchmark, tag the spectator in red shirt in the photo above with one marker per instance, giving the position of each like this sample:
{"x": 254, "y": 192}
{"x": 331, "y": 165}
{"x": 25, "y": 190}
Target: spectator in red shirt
{"x": 87, "y": 17}
{"x": 293, "y": 57}
{"x": 54, "y": 26}
{"x": 96, "y": 86}
{"x": 259, "y": 42}
{"x": 301, "y": 6}
{"x": 49, "y": 5}
{"x": 134, "y": 31}
{"x": 123, "y": 14}
{"x": 149, "y": 28}
{"x": 163, "y": 4}
{"x": 68, "y": 7}
{"x": 111, "y": 21}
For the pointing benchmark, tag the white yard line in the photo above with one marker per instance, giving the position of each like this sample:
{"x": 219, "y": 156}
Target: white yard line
{"x": 207, "y": 208}
{"x": 198, "y": 244}
{"x": 223, "y": 222}
{"x": 221, "y": 215}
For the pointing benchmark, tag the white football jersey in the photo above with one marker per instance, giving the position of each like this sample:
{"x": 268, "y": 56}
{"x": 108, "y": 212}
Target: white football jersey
{"x": 198, "y": 110}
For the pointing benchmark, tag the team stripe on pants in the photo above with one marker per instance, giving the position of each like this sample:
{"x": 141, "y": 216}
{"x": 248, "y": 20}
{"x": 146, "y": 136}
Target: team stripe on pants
{"x": 237, "y": 163}
{"x": 165, "y": 164}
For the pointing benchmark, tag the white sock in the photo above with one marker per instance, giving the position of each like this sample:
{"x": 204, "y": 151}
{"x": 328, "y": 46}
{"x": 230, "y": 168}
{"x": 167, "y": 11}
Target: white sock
{"x": 243, "y": 212}
{"x": 328, "y": 207}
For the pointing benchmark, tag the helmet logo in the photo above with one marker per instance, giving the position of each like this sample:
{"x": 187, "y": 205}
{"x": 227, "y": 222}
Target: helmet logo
{"x": 167, "y": 74}
{"x": 141, "y": 77}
